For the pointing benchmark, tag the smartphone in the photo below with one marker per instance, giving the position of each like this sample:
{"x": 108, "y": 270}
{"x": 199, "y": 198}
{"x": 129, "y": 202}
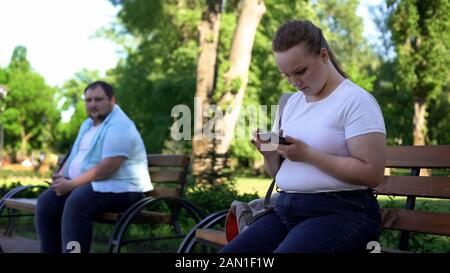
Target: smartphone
{"x": 272, "y": 135}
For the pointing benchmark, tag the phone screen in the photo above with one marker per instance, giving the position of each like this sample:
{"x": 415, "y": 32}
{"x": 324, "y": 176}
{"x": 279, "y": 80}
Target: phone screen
{"x": 266, "y": 136}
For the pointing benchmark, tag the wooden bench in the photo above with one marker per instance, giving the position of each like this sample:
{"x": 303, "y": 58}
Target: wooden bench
{"x": 168, "y": 174}
{"x": 406, "y": 220}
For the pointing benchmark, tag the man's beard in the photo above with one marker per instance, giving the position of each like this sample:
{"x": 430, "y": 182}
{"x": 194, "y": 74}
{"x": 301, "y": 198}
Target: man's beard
{"x": 100, "y": 117}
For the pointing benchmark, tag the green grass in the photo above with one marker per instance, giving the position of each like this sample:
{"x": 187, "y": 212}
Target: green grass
{"x": 8, "y": 183}
{"x": 253, "y": 185}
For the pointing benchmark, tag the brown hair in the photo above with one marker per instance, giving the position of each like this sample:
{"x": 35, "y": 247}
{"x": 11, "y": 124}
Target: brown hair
{"x": 293, "y": 32}
{"x": 107, "y": 88}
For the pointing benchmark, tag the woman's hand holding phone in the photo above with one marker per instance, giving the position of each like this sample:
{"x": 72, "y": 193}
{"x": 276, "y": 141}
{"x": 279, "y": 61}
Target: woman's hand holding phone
{"x": 294, "y": 149}
{"x": 273, "y": 138}
{"x": 266, "y": 142}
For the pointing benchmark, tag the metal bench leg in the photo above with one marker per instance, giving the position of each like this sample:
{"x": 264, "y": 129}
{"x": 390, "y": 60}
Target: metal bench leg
{"x": 8, "y": 223}
{"x": 177, "y": 228}
{"x": 11, "y": 226}
{"x": 190, "y": 241}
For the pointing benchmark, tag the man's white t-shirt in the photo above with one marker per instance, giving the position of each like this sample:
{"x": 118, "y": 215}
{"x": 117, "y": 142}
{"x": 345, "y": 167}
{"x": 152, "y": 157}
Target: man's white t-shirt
{"x": 75, "y": 165}
{"x": 325, "y": 125}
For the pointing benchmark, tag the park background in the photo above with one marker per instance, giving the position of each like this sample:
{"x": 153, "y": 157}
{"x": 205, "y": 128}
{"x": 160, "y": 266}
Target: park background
{"x": 169, "y": 52}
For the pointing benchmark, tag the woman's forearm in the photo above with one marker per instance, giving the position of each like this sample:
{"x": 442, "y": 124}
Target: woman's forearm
{"x": 347, "y": 168}
{"x": 272, "y": 163}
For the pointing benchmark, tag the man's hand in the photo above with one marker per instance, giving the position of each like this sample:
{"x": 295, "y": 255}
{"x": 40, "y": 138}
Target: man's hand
{"x": 56, "y": 177}
{"x": 297, "y": 151}
{"x": 62, "y": 186}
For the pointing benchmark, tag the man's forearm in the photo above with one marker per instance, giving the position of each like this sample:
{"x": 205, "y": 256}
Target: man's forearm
{"x": 91, "y": 175}
{"x": 101, "y": 171}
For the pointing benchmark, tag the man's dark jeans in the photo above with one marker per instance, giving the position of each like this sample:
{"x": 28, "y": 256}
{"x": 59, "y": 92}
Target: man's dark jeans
{"x": 62, "y": 219}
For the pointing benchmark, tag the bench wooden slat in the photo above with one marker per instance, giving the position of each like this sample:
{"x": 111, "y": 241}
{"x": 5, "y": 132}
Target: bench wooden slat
{"x": 25, "y": 204}
{"x": 170, "y": 192}
{"x": 166, "y": 176}
{"x": 416, "y": 221}
{"x": 429, "y": 156}
{"x": 155, "y": 160}
{"x": 142, "y": 217}
{"x": 420, "y": 186}
{"x": 29, "y": 205}
{"x": 211, "y": 237}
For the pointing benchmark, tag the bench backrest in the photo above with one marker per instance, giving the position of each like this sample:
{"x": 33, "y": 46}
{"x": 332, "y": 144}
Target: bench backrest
{"x": 168, "y": 174}
{"x": 412, "y": 186}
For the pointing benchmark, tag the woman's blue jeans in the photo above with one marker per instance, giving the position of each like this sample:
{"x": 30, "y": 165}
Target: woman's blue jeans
{"x": 61, "y": 219}
{"x": 342, "y": 221}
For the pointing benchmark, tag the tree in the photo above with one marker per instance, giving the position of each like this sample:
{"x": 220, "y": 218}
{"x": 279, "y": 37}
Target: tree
{"x": 30, "y": 115}
{"x": 236, "y": 78}
{"x": 438, "y": 120}
{"x": 209, "y": 28}
{"x": 344, "y": 31}
{"x": 3, "y": 95}
{"x": 159, "y": 70}
{"x": 230, "y": 94}
{"x": 421, "y": 38}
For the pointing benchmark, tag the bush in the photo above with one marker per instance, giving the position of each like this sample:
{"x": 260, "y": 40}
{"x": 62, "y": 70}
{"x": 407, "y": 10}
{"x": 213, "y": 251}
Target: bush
{"x": 31, "y": 193}
{"x": 213, "y": 198}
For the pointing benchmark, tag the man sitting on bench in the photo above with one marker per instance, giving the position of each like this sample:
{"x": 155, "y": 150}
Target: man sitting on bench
{"x": 105, "y": 171}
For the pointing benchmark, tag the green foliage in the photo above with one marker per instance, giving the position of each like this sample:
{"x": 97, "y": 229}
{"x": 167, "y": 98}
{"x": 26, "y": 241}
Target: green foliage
{"x": 216, "y": 197}
{"x": 421, "y": 37}
{"x": 134, "y": 15}
{"x": 159, "y": 72}
{"x": 30, "y": 193}
{"x": 396, "y": 105}
{"x": 343, "y": 29}
{"x": 30, "y": 115}
{"x": 439, "y": 119}
{"x": 418, "y": 32}
{"x": 215, "y": 188}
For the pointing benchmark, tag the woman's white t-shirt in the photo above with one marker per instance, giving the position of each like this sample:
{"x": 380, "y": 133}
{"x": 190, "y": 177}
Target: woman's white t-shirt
{"x": 325, "y": 125}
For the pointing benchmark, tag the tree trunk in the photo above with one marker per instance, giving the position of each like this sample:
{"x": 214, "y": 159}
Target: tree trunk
{"x": 210, "y": 155}
{"x": 208, "y": 29}
{"x": 419, "y": 127}
{"x": 25, "y": 137}
{"x": 1, "y": 145}
{"x": 236, "y": 78}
